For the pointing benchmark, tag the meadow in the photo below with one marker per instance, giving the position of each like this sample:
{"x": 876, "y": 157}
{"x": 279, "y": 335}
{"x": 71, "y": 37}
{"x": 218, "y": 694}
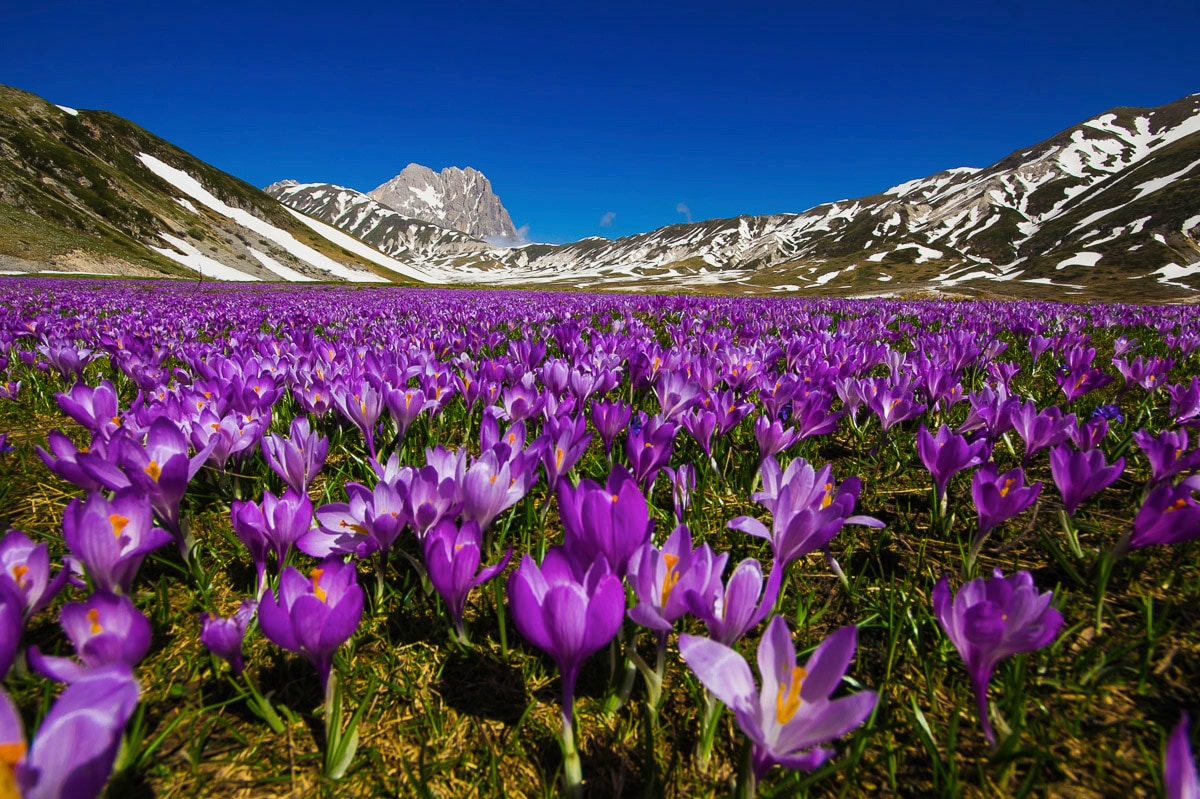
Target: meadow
{"x": 301, "y": 541}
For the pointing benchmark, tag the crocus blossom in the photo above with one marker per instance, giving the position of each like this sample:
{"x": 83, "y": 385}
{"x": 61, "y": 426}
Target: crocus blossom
{"x": 312, "y": 616}
{"x": 789, "y": 718}
{"x": 990, "y": 619}
{"x": 223, "y": 636}
{"x": 76, "y": 744}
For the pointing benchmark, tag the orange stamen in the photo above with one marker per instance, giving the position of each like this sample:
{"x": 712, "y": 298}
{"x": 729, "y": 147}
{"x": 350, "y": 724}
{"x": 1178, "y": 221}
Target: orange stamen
{"x": 93, "y": 616}
{"x": 670, "y": 578}
{"x": 318, "y": 591}
{"x": 118, "y": 523}
{"x": 153, "y": 470}
{"x": 787, "y": 704}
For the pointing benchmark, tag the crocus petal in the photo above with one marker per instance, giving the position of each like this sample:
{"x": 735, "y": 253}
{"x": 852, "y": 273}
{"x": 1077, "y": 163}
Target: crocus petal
{"x": 722, "y": 671}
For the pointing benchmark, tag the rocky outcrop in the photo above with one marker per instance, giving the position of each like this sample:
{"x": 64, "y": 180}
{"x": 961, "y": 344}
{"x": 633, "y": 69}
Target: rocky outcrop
{"x": 461, "y": 199}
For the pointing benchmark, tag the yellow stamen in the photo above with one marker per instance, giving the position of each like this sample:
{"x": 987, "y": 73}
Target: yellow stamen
{"x": 118, "y": 523}
{"x": 19, "y": 572}
{"x": 670, "y": 578}
{"x": 93, "y": 616}
{"x": 558, "y": 457}
{"x": 787, "y": 704}
{"x": 828, "y": 500}
{"x": 614, "y": 498}
{"x": 153, "y": 470}
{"x": 1007, "y": 485}
{"x": 1178, "y": 504}
{"x": 318, "y": 591}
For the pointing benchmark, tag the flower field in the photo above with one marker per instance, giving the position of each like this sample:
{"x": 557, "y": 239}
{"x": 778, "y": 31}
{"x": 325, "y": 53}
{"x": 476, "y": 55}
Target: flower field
{"x": 284, "y": 541}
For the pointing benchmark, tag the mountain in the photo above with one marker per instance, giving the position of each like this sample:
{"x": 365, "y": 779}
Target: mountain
{"x": 1109, "y": 208}
{"x": 460, "y": 199}
{"x": 90, "y": 192}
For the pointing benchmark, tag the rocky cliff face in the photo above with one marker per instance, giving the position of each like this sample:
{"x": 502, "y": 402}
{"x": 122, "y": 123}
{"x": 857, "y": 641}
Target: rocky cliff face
{"x": 461, "y": 199}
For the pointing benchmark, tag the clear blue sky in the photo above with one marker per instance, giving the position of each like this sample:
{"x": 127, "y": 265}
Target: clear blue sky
{"x": 635, "y": 110}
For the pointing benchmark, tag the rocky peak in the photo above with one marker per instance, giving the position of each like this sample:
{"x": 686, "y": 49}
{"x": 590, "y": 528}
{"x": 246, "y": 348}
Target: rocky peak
{"x": 461, "y": 199}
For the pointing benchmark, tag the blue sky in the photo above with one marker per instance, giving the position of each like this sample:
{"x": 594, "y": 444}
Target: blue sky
{"x": 640, "y": 113}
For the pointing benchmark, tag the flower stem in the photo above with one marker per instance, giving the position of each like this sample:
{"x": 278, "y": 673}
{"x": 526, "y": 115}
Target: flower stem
{"x": 747, "y": 785}
{"x": 572, "y": 768}
{"x": 708, "y": 730}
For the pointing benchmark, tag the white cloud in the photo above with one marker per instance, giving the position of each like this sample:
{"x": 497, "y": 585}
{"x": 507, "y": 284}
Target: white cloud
{"x": 607, "y": 219}
{"x": 683, "y": 209}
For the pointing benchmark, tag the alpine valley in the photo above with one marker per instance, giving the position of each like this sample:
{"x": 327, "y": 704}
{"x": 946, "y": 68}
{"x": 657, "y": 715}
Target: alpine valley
{"x": 1108, "y": 209}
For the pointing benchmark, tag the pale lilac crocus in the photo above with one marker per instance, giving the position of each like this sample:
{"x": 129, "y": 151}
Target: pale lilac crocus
{"x": 28, "y": 565}
{"x": 76, "y": 744}
{"x": 296, "y": 459}
{"x": 789, "y": 718}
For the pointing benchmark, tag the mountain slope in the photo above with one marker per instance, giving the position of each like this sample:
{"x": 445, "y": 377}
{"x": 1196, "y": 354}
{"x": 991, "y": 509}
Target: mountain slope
{"x": 89, "y": 191}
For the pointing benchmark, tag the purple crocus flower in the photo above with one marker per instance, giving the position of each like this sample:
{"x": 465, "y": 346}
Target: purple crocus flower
{"x": 894, "y": 405}
{"x": 161, "y": 470}
{"x": 700, "y": 425}
{"x": 370, "y": 522}
{"x": 405, "y": 405}
{"x": 807, "y": 509}
{"x": 223, "y": 636}
{"x": 988, "y": 620}
{"x": 683, "y": 483}
{"x": 452, "y": 559}
{"x": 272, "y": 526}
{"x": 729, "y": 610}
{"x": 63, "y": 460}
{"x": 1179, "y": 767}
{"x": 104, "y": 629}
{"x": 661, "y": 578}
{"x": 489, "y": 489}
{"x": 112, "y": 537}
{"x": 1078, "y": 475}
{"x": 96, "y": 409}
{"x": 1170, "y": 515}
{"x": 792, "y": 715}
{"x": 612, "y": 520}
{"x": 73, "y": 752}
{"x": 772, "y": 437}
{"x": 569, "y": 615}
{"x": 12, "y": 623}
{"x": 313, "y": 616}
{"x": 563, "y": 448}
{"x": 609, "y": 419}
{"x": 1167, "y": 453}
{"x": 1042, "y": 429}
{"x": 296, "y": 459}
{"x": 999, "y": 497}
{"x": 649, "y": 446}
{"x": 362, "y": 408}
{"x": 28, "y": 564}
{"x": 946, "y": 454}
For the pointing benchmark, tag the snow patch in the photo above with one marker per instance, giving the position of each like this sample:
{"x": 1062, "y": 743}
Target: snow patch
{"x": 198, "y": 261}
{"x": 66, "y": 110}
{"x": 1080, "y": 259}
{"x": 186, "y": 203}
{"x": 290, "y": 275}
